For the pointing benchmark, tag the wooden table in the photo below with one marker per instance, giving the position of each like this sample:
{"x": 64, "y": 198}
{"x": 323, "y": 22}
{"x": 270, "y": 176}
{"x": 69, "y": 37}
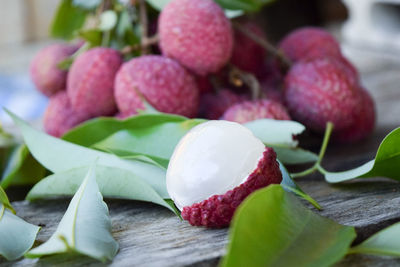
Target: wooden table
{"x": 152, "y": 236}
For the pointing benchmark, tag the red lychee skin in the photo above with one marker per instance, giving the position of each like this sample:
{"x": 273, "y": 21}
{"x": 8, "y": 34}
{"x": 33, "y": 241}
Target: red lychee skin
{"x": 90, "y": 84}
{"x": 248, "y": 55}
{"x": 217, "y": 211}
{"x": 161, "y": 81}
{"x": 197, "y": 34}
{"x": 204, "y": 84}
{"x": 320, "y": 91}
{"x": 60, "y": 117}
{"x": 44, "y": 71}
{"x": 213, "y": 106}
{"x": 309, "y": 43}
{"x": 254, "y": 110}
{"x": 364, "y": 121}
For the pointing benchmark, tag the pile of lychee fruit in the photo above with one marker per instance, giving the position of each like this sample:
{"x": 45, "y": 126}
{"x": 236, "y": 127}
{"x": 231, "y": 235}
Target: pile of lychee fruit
{"x": 199, "y": 74}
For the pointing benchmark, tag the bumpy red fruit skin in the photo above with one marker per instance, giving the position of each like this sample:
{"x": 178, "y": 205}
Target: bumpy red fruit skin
{"x": 44, "y": 72}
{"x": 320, "y": 91}
{"x": 213, "y": 106}
{"x": 247, "y": 54}
{"x": 90, "y": 84}
{"x": 364, "y": 121}
{"x": 254, "y": 110}
{"x": 197, "y": 34}
{"x": 309, "y": 43}
{"x": 217, "y": 211}
{"x": 60, "y": 117}
{"x": 161, "y": 81}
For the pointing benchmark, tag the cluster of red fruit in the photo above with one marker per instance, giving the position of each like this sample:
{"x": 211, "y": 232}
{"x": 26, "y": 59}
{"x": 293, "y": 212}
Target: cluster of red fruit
{"x": 197, "y": 41}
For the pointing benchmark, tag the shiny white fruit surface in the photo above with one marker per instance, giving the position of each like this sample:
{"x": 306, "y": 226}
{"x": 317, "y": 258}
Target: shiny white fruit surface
{"x": 211, "y": 159}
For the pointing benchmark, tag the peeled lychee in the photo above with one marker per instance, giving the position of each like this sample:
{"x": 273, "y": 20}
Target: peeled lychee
{"x": 160, "y": 81}
{"x": 309, "y": 43}
{"x": 213, "y": 106}
{"x": 91, "y": 81}
{"x": 215, "y": 166}
{"x": 320, "y": 91}
{"x": 44, "y": 71}
{"x": 197, "y": 34}
{"x": 248, "y": 55}
{"x": 364, "y": 120}
{"x": 254, "y": 110}
{"x": 60, "y": 117}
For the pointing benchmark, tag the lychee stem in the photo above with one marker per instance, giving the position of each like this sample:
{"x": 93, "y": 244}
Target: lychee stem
{"x": 317, "y": 166}
{"x": 265, "y": 44}
{"x": 143, "y": 27}
{"x": 238, "y": 77}
{"x": 149, "y": 41}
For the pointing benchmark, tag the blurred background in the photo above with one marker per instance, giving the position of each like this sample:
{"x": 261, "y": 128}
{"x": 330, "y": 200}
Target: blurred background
{"x": 370, "y": 24}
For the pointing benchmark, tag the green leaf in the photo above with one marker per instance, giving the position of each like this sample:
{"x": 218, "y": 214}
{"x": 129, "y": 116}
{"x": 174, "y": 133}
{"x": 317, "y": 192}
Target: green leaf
{"x": 108, "y": 20}
{"x": 157, "y": 141}
{"x": 85, "y": 227}
{"x": 158, "y": 4}
{"x": 231, "y": 14}
{"x": 96, "y": 130}
{"x": 276, "y": 133}
{"x": 113, "y": 183}
{"x": 67, "y": 20}
{"x": 384, "y": 243}
{"x": 21, "y": 169}
{"x": 92, "y": 36}
{"x": 385, "y": 164}
{"x": 245, "y": 5}
{"x": 16, "y": 235}
{"x": 290, "y": 186}
{"x": 295, "y": 155}
{"x": 59, "y": 156}
{"x": 4, "y": 200}
{"x": 87, "y": 4}
{"x": 272, "y": 228}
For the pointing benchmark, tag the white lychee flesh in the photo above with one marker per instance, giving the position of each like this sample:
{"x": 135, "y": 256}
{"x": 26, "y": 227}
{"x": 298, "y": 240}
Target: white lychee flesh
{"x": 211, "y": 159}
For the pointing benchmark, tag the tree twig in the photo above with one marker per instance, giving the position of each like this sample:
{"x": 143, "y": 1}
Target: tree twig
{"x": 265, "y": 44}
{"x": 239, "y": 77}
{"x": 143, "y": 27}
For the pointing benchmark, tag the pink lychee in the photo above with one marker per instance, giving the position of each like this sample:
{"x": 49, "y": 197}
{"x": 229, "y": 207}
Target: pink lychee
{"x": 309, "y": 43}
{"x": 248, "y": 55}
{"x": 60, "y": 117}
{"x": 160, "y": 81}
{"x": 254, "y": 110}
{"x": 363, "y": 120}
{"x": 215, "y": 166}
{"x": 213, "y": 106}
{"x": 44, "y": 71}
{"x": 197, "y": 34}
{"x": 91, "y": 81}
{"x": 320, "y": 91}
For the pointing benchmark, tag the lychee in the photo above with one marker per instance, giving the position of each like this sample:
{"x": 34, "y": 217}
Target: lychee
{"x": 90, "y": 84}
{"x": 44, "y": 71}
{"x": 363, "y": 120}
{"x": 309, "y": 43}
{"x": 60, "y": 117}
{"x": 160, "y": 81}
{"x": 204, "y": 84}
{"x": 320, "y": 91}
{"x": 215, "y": 166}
{"x": 248, "y": 55}
{"x": 213, "y": 106}
{"x": 254, "y": 110}
{"x": 197, "y": 34}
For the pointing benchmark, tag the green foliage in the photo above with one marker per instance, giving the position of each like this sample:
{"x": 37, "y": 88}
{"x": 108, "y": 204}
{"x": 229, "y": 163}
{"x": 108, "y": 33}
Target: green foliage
{"x": 4, "y": 200}
{"x": 85, "y": 227}
{"x": 21, "y": 169}
{"x": 67, "y": 20}
{"x": 385, "y": 164}
{"x": 244, "y": 5}
{"x": 272, "y": 228}
{"x": 16, "y": 235}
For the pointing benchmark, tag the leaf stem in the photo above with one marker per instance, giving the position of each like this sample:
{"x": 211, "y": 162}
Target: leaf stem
{"x": 265, "y": 44}
{"x": 238, "y": 77}
{"x": 317, "y": 166}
